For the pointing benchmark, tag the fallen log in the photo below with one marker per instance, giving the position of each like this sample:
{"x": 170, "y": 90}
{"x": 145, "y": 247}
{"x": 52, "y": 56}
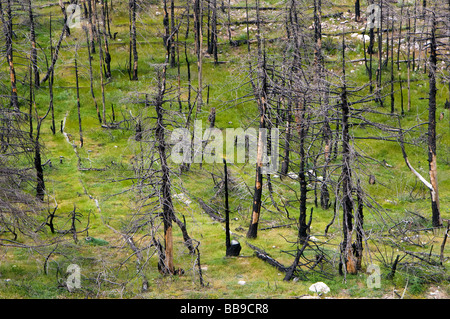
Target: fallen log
{"x": 261, "y": 254}
{"x": 211, "y": 211}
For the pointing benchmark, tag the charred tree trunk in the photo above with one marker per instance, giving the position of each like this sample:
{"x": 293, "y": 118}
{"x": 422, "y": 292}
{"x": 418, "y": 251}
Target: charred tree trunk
{"x": 7, "y": 30}
{"x": 346, "y": 181}
{"x": 33, "y": 45}
{"x": 50, "y": 82}
{"x": 78, "y": 98}
{"x": 327, "y": 139}
{"x": 261, "y": 95}
{"x": 91, "y": 78}
{"x": 212, "y": 48}
{"x": 165, "y": 194}
{"x": 55, "y": 55}
{"x": 436, "y": 216}
{"x": 359, "y": 225}
{"x": 105, "y": 40}
{"x": 256, "y": 210}
{"x": 102, "y": 84}
{"x": 133, "y": 48}
{"x": 357, "y": 11}
{"x": 91, "y": 26}
{"x": 287, "y": 141}
{"x": 173, "y": 61}
{"x": 198, "y": 22}
{"x": 302, "y": 128}
{"x": 64, "y": 12}
{"x": 233, "y": 248}
{"x": 40, "y": 186}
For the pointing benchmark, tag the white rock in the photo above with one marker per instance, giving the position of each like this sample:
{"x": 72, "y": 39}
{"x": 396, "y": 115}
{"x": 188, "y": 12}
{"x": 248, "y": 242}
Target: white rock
{"x": 241, "y": 282}
{"x": 319, "y": 287}
{"x": 292, "y": 175}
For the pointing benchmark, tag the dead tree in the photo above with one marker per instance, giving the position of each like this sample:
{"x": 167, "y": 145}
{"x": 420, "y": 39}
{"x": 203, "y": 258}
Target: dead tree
{"x": 260, "y": 92}
{"x": 17, "y": 205}
{"x": 91, "y": 77}
{"x": 133, "y": 48}
{"x": 78, "y": 97}
{"x": 198, "y": 28}
{"x": 348, "y": 259}
{"x": 436, "y": 215}
{"x": 107, "y": 55}
{"x": 233, "y": 247}
{"x": 33, "y": 45}
{"x": 8, "y": 32}
{"x": 51, "y": 69}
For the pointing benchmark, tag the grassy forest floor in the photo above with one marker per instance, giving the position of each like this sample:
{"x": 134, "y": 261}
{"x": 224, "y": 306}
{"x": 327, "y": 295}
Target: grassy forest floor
{"x": 96, "y": 178}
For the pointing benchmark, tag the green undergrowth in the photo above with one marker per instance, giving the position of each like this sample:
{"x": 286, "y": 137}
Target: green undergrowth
{"x": 101, "y": 193}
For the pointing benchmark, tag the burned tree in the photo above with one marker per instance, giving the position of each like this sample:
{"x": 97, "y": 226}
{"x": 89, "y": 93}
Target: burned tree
{"x": 8, "y": 34}
{"x": 233, "y": 247}
{"x": 436, "y": 215}
{"x": 133, "y": 49}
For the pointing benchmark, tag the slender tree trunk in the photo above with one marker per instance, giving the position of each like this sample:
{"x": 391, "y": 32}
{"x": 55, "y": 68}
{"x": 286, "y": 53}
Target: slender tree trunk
{"x": 346, "y": 181}
{"x": 409, "y": 62}
{"x": 78, "y": 97}
{"x": 91, "y": 78}
{"x": 7, "y": 30}
{"x": 198, "y": 17}
{"x": 302, "y": 130}
{"x": 91, "y": 26}
{"x": 359, "y": 225}
{"x": 392, "y": 70}
{"x": 50, "y": 81}
{"x": 107, "y": 55}
{"x": 436, "y": 216}
{"x": 165, "y": 193}
{"x": 173, "y": 62}
{"x": 102, "y": 85}
{"x": 227, "y": 209}
{"x": 55, "y": 55}
{"x": 262, "y": 107}
{"x": 133, "y": 40}
{"x": 33, "y": 45}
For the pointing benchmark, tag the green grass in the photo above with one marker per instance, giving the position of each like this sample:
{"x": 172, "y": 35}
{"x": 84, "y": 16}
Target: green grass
{"x": 396, "y": 190}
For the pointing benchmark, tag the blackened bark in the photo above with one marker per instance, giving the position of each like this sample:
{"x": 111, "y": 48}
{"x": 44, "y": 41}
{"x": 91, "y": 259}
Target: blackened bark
{"x": 261, "y": 96}
{"x": 55, "y": 55}
{"x": 436, "y": 216}
{"x": 302, "y": 128}
{"x": 105, "y": 40}
{"x": 91, "y": 78}
{"x": 232, "y": 249}
{"x": 7, "y": 30}
{"x": 78, "y": 99}
{"x": 346, "y": 181}
{"x": 359, "y": 221}
{"x": 133, "y": 47}
{"x": 33, "y": 45}
{"x": 165, "y": 195}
